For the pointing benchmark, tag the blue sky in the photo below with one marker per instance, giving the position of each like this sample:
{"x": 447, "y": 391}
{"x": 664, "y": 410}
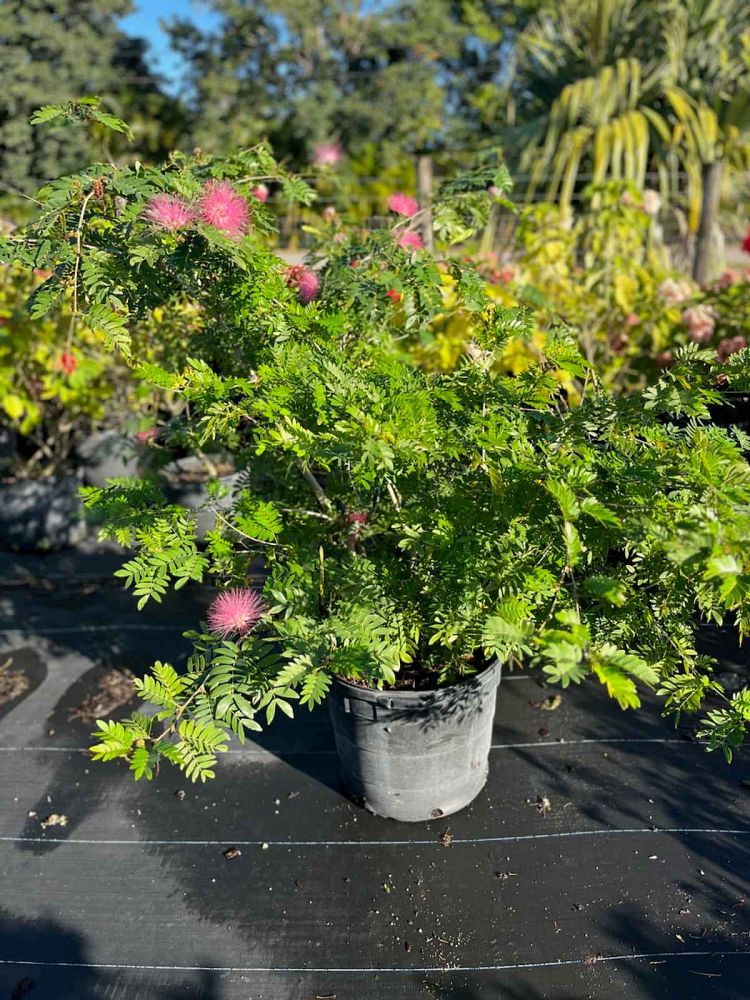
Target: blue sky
{"x": 145, "y": 22}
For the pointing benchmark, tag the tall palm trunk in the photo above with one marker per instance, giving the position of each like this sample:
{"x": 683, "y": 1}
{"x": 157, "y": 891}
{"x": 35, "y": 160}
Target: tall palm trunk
{"x": 702, "y": 262}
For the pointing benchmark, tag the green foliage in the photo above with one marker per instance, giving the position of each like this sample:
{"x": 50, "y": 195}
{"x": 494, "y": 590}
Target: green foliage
{"x": 54, "y": 389}
{"x": 86, "y": 109}
{"x": 411, "y": 523}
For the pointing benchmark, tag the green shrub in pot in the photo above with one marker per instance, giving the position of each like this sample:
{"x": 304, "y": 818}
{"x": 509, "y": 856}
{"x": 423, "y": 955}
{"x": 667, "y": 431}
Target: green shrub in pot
{"x": 415, "y": 527}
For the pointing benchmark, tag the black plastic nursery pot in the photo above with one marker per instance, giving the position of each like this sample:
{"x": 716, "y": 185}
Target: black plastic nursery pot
{"x": 106, "y": 455}
{"x": 39, "y": 514}
{"x": 415, "y": 755}
{"x": 194, "y": 495}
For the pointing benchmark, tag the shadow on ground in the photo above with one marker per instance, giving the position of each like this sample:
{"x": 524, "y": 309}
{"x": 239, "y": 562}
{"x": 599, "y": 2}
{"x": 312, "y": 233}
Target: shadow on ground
{"x": 48, "y": 941}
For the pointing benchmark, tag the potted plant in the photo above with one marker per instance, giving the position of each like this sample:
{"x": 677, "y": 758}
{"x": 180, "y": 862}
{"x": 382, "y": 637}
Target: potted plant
{"x": 418, "y": 529}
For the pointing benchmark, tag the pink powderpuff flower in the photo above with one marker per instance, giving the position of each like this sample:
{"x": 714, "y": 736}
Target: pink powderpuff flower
{"x": 728, "y": 278}
{"x": 410, "y": 240}
{"x": 235, "y": 611}
{"x": 223, "y": 208}
{"x": 402, "y": 204}
{"x": 730, "y": 345}
{"x": 327, "y": 154}
{"x": 305, "y": 281}
{"x": 700, "y": 322}
{"x": 260, "y": 192}
{"x": 169, "y": 212}
{"x": 746, "y": 241}
{"x": 68, "y": 362}
{"x": 632, "y": 319}
{"x": 673, "y": 292}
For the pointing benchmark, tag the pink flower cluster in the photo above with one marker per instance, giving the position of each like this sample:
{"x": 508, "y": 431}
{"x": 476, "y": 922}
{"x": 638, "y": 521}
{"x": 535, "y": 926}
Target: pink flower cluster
{"x": 673, "y": 292}
{"x": 327, "y": 154}
{"x": 223, "y": 208}
{"x": 700, "y": 322}
{"x": 305, "y": 281}
{"x": 219, "y": 205}
{"x": 403, "y": 204}
{"x": 730, "y": 345}
{"x": 169, "y": 212}
{"x": 410, "y": 240}
{"x": 235, "y": 612}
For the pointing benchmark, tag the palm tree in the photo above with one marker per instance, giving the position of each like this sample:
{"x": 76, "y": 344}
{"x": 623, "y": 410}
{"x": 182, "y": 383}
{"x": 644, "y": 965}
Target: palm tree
{"x": 708, "y": 47}
{"x": 624, "y": 86}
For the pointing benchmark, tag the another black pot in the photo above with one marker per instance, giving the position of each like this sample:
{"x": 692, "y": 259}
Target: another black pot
{"x": 415, "y": 755}
{"x": 195, "y": 496}
{"x": 37, "y": 514}
{"x": 108, "y": 454}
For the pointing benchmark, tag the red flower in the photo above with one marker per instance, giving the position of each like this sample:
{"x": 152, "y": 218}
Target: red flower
{"x": 150, "y": 434}
{"x": 393, "y": 295}
{"x": 68, "y": 362}
{"x": 746, "y": 241}
{"x": 357, "y": 517}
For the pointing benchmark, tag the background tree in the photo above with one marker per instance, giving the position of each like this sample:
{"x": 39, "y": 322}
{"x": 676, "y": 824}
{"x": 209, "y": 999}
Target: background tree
{"x": 303, "y": 72}
{"x": 52, "y": 50}
{"x": 159, "y": 120}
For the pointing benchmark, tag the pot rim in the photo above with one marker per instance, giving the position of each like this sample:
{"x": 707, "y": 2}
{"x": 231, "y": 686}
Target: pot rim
{"x": 490, "y": 676}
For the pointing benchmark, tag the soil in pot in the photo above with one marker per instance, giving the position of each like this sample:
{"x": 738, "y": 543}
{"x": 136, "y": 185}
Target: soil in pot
{"x": 39, "y": 514}
{"x": 415, "y": 755}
